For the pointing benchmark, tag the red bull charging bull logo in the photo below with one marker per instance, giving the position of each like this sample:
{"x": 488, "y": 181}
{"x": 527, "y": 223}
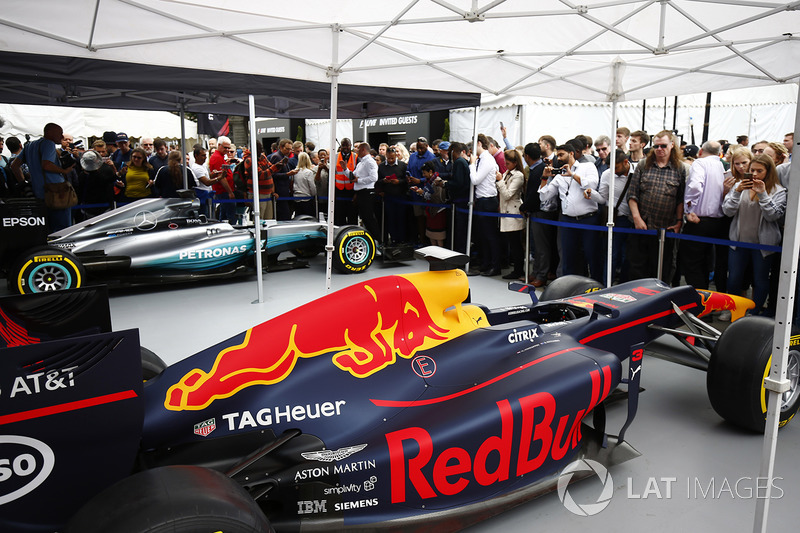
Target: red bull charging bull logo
{"x": 719, "y": 301}
{"x": 365, "y": 327}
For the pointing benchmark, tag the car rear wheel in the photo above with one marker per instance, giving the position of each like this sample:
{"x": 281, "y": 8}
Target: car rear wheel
{"x": 354, "y": 250}
{"x": 171, "y": 499}
{"x": 740, "y": 361}
{"x": 47, "y": 269}
{"x": 567, "y": 286}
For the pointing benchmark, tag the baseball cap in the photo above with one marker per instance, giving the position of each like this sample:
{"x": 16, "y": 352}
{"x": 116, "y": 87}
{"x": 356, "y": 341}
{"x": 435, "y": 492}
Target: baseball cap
{"x": 122, "y": 137}
{"x": 444, "y": 145}
{"x": 691, "y": 151}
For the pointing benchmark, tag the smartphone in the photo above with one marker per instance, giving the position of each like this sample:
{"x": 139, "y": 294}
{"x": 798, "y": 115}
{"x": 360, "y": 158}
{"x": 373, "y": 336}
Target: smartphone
{"x": 501, "y": 124}
{"x": 748, "y": 176}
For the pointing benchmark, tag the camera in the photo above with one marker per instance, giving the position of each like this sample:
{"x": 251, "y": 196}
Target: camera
{"x": 557, "y": 171}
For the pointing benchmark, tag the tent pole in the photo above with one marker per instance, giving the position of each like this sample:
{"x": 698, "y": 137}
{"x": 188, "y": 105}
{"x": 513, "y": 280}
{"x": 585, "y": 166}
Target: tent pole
{"x": 777, "y": 383}
{"x": 644, "y": 116}
{"x": 706, "y": 118}
{"x": 611, "y": 202}
{"x": 183, "y": 145}
{"x": 616, "y": 88}
{"x": 675, "y": 115}
{"x": 333, "y": 72}
{"x": 472, "y": 187}
{"x": 256, "y": 198}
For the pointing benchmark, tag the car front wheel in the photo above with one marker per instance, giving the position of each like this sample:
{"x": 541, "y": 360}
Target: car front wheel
{"x": 740, "y": 360}
{"x": 354, "y": 250}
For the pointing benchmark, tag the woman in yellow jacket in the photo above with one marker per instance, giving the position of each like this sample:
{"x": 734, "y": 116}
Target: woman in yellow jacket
{"x": 138, "y": 176}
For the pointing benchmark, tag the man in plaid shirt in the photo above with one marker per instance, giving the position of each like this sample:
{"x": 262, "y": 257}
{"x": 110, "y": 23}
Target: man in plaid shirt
{"x": 655, "y": 197}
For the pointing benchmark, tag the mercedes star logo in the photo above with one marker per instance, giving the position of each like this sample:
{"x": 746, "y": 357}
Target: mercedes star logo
{"x": 145, "y": 220}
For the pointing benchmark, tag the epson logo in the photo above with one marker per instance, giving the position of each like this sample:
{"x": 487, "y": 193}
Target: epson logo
{"x": 9, "y": 222}
{"x": 25, "y": 463}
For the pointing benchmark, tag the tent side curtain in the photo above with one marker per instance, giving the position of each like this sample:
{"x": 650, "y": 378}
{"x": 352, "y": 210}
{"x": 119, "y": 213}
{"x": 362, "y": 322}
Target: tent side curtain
{"x": 69, "y": 81}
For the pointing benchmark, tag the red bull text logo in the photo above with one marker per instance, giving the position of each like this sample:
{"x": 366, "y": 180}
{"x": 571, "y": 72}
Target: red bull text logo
{"x": 454, "y": 469}
{"x": 365, "y": 327}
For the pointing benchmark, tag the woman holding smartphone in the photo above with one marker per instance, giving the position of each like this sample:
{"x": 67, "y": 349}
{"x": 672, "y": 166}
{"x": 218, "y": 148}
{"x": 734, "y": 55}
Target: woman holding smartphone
{"x": 740, "y": 164}
{"x": 756, "y": 203}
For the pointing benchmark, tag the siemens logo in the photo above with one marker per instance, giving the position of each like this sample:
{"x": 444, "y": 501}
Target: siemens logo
{"x": 23, "y": 221}
{"x": 215, "y": 252}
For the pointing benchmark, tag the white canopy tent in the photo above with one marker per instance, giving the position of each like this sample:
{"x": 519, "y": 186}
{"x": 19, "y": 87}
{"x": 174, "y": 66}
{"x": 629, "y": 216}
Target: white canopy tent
{"x": 761, "y": 113}
{"x": 599, "y": 50}
{"x": 82, "y": 123}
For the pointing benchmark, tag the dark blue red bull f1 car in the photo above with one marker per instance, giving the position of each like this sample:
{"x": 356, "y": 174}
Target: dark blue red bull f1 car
{"x": 393, "y": 404}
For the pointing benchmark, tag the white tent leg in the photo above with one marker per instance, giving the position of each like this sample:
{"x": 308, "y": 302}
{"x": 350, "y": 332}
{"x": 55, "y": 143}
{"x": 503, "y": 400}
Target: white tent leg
{"x": 616, "y": 90}
{"x": 256, "y": 202}
{"x": 612, "y": 160}
{"x": 776, "y": 382}
{"x": 183, "y": 145}
{"x": 333, "y": 71}
{"x": 472, "y": 187}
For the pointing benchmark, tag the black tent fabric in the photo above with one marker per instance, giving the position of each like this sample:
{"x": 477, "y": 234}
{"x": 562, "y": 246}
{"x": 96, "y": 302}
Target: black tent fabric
{"x": 68, "y": 81}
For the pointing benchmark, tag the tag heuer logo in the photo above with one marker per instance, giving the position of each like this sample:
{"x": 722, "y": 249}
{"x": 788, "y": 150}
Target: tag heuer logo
{"x": 205, "y": 428}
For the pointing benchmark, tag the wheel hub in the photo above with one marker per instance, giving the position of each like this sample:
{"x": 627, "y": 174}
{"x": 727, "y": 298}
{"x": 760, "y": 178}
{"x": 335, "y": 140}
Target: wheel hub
{"x": 357, "y": 251}
{"x": 793, "y": 375}
{"x": 50, "y": 277}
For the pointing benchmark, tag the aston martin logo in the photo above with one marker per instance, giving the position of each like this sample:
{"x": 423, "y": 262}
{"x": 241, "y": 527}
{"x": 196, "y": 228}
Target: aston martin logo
{"x": 329, "y": 456}
{"x": 145, "y": 220}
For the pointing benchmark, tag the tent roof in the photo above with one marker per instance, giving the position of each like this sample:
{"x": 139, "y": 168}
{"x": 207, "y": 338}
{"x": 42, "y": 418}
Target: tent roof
{"x": 550, "y": 48}
{"x": 60, "y": 80}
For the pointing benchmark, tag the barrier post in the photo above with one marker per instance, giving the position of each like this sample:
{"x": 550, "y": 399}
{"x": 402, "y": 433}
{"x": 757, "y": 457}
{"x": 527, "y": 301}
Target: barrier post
{"x": 527, "y": 246}
{"x": 453, "y": 227}
{"x": 661, "y": 238}
{"x": 383, "y": 218}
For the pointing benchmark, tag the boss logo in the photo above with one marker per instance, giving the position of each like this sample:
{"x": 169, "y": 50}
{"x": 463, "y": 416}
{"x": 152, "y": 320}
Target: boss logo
{"x": 25, "y": 463}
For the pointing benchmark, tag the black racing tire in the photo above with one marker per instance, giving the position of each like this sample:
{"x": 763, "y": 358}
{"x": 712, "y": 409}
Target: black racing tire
{"x": 567, "y": 286}
{"x": 740, "y": 361}
{"x": 46, "y": 268}
{"x": 353, "y": 250}
{"x": 152, "y": 365}
{"x": 305, "y": 218}
{"x": 171, "y": 499}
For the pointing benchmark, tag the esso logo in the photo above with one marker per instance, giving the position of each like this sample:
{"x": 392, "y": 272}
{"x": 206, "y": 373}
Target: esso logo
{"x": 25, "y": 463}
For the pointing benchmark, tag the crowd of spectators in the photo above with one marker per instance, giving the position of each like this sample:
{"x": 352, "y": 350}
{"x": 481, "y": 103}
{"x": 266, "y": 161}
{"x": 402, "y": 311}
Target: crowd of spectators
{"x": 419, "y": 195}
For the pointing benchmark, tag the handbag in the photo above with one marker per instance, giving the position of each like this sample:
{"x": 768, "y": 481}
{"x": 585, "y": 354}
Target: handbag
{"x": 60, "y": 195}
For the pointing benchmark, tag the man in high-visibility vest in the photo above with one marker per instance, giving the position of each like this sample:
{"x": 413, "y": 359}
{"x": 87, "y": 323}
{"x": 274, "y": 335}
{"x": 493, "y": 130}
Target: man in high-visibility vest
{"x": 345, "y": 164}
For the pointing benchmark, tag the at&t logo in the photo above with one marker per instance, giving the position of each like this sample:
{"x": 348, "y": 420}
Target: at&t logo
{"x": 587, "y": 509}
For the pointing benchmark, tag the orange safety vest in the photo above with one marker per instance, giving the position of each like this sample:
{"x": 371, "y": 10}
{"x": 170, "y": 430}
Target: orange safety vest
{"x": 342, "y": 178}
